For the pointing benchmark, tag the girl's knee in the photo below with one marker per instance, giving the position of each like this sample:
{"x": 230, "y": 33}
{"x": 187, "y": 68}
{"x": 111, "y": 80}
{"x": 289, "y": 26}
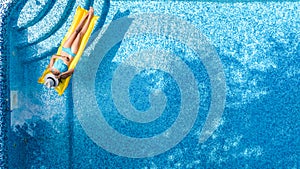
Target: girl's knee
{"x": 80, "y": 34}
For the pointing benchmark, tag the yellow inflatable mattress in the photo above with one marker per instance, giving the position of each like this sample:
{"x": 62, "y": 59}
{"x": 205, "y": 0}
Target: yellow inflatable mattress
{"x": 80, "y": 12}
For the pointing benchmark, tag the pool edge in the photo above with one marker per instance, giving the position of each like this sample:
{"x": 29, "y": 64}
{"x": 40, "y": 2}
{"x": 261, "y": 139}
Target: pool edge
{"x": 5, "y": 9}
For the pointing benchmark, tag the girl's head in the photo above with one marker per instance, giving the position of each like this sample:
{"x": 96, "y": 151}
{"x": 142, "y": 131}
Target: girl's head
{"x": 50, "y": 80}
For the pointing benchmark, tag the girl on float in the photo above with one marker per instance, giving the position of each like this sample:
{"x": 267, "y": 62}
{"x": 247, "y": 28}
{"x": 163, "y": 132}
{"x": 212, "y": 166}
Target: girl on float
{"x": 59, "y": 64}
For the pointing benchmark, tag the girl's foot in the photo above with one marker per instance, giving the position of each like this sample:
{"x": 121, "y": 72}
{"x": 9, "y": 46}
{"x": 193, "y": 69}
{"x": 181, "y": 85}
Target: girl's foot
{"x": 91, "y": 11}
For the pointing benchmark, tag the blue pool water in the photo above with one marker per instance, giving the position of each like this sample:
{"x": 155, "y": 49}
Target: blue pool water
{"x": 161, "y": 84}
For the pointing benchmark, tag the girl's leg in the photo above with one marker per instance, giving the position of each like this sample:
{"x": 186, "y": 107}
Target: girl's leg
{"x": 76, "y": 43}
{"x": 87, "y": 24}
{"x": 71, "y": 38}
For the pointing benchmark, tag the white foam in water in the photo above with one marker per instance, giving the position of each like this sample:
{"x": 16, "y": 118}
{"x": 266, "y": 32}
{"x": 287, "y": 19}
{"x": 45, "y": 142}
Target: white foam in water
{"x": 13, "y": 100}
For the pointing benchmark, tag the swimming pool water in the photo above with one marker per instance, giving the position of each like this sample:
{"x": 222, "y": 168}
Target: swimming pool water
{"x": 162, "y": 84}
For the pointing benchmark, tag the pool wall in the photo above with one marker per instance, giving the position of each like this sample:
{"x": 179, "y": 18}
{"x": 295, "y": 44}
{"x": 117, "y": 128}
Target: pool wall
{"x": 5, "y": 9}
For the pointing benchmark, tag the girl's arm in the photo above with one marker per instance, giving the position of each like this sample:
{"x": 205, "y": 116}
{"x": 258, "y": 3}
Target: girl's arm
{"x": 66, "y": 74}
{"x": 52, "y": 60}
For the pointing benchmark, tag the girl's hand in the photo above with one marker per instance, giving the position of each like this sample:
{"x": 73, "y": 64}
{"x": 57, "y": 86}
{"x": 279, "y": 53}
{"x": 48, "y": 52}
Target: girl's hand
{"x": 58, "y": 76}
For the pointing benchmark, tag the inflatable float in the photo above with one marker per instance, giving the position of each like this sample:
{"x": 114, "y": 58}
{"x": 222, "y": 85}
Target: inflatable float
{"x": 63, "y": 84}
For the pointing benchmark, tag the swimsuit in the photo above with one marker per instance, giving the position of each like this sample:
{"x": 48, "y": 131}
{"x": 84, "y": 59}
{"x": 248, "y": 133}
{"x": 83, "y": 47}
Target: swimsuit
{"x": 69, "y": 51}
{"x": 60, "y": 65}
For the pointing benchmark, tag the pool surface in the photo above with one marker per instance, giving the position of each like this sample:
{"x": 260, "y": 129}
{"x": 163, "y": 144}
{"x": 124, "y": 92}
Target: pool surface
{"x": 161, "y": 84}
